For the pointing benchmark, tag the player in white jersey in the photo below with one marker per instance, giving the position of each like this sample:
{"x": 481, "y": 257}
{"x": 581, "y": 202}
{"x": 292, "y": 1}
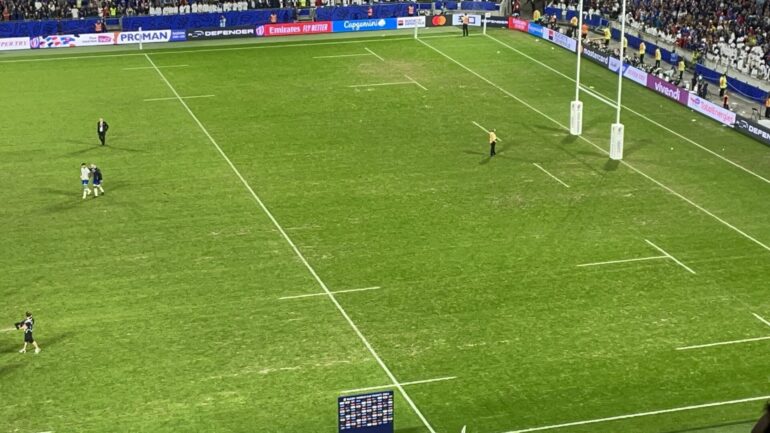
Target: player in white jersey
{"x": 85, "y": 174}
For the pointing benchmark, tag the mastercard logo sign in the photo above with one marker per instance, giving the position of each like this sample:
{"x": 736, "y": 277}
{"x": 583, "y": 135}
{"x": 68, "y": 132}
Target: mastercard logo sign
{"x": 439, "y": 20}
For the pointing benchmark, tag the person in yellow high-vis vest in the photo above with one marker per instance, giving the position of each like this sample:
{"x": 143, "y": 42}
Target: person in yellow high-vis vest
{"x": 680, "y": 68}
{"x": 657, "y": 57}
{"x": 536, "y": 15}
{"x": 722, "y": 85}
{"x": 573, "y": 25}
{"x": 642, "y": 49}
{"x": 625, "y": 44}
{"x": 607, "y": 37}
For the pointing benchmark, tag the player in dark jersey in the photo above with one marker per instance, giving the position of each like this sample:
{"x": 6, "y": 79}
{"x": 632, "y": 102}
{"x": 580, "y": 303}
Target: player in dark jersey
{"x": 26, "y": 325}
{"x": 96, "y": 178}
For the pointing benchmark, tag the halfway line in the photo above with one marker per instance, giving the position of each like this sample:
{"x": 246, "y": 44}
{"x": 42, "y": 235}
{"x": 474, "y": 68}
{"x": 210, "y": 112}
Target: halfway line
{"x": 174, "y": 98}
{"x": 623, "y": 261}
{"x": 670, "y": 257}
{"x": 416, "y": 382}
{"x": 723, "y": 343}
{"x": 374, "y": 54}
{"x": 150, "y": 67}
{"x": 382, "y": 84}
{"x": 549, "y": 174}
{"x": 300, "y": 256}
{"x": 335, "y": 292}
{"x": 641, "y": 414}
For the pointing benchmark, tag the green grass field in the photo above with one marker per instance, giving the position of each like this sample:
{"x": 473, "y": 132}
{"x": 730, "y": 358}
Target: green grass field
{"x": 159, "y": 305}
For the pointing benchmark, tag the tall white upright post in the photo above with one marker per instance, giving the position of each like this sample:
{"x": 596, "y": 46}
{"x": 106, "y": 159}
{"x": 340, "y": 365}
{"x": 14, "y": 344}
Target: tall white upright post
{"x": 141, "y": 38}
{"x": 616, "y": 133}
{"x": 486, "y": 17}
{"x": 576, "y": 107}
{"x": 415, "y": 30}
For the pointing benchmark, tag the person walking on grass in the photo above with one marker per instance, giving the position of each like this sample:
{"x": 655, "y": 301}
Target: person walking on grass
{"x": 465, "y": 24}
{"x": 492, "y": 143}
{"x": 85, "y": 175}
{"x": 96, "y": 180}
{"x": 26, "y": 325}
{"x": 101, "y": 130}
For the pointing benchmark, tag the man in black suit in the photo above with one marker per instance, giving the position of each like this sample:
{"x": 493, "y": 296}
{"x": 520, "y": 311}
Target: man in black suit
{"x": 101, "y": 129}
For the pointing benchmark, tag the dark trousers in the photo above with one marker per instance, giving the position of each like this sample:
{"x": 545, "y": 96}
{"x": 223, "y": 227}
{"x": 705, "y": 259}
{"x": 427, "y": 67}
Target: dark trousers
{"x": 492, "y": 148}
{"x": 641, "y": 58}
{"x": 465, "y": 29}
{"x": 767, "y": 112}
{"x": 722, "y": 92}
{"x": 102, "y": 137}
{"x": 657, "y": 64}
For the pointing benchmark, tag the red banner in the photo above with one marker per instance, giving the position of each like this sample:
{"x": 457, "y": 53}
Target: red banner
{"x": 517, "y": 24}
{"x": 288, "y": 29}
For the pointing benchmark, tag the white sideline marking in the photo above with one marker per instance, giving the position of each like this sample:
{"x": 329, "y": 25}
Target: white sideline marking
{"x": 342, "y": 55}
{"x": 635, "y": 112}
{"x": 208, "y": 50}
{"x": 395, "y": 83}
{"x": 299, "y": 254}
{"x": 736, "y": 229}
{"x": 150, "y": 67}
{"x": 623, "y": 261}
{"x": 723, "y": 343}
{"x": 7, "y": 329}
{"x": 174, "y": 98}
{"x": 761, "y": 319}
{"x": 415, "y": 82}
{"x": 416, "y": 382}
{"x": 671, "y": 257}
{"x": 485, "y": 130}
{"x": 549, "y": 174}
{"x": 641, "y": 414}
{"x": 373, "y": 53}
{"x": 335, "y": 292}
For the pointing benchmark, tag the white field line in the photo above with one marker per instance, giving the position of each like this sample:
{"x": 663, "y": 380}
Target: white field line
{"x": 521, "y": 101}
{"x": 208, "y": 50}
{"x": 7, "y": 330}
{"x": 735, "y": 164}
{"x": 150, "y": 67}
{"x": 600, "y": 98}
{"x": 342, "y": 55}
{"x": 641, "y": 414}
{"x": 174, "y": 98}
{"x": 671, "y": 257}
{"x": 395, "y": 83}
{"x": 374, "y": 54}
{"x": 485, "y": 129}
{"x": 549, "y": 174}
{"x": 299, "y": 255}
{"x": 415, "y": 82}
{"x": 723, "y": 343}
{"x": 335, "y": 292}
{"x": 623, "y": 261}
{"x": 416, "y": 382}
{"x": 761, "y": 319}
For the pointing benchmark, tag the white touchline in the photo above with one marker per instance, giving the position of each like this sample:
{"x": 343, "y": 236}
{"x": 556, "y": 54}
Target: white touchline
{"x": 670, "y": 257}
{"x": 415, "y": 82}
{"x": 7, "y": 329}
{"x": 299, "y": 255}
{"x": 174, "y": 98}
{"x": 626, "y": 164}
{"x": 150, "y": 67}
{"x": 723, "y": 343}
{"x": 342, "y": 55}
{"x": 623, "y": 261}
{"x": 395, "y": 83}
{"x": 335, "y": 292}
{"x": 416, "y": 382}
{"x": 484, "y": 129}
{"x": 549, "y": 174}
{"x": 761, "y": 319}
{"x": 373, "y": 53}
{"x": 641, "y": 414}
{"x": 635, "y": 112}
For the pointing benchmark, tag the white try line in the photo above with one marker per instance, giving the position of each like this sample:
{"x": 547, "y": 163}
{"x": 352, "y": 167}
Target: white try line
{"x": 623, "y": 261}
{"x": 174, "y": 98}
{"x": 335, "y": 292}
{"x": 671, "y": 257}
{"x": 761, "y": 319}
{"x": 150, "y": 67}
{"x": 374, "y": 54}
{"x": 641, "y": 414}
{"x": 485, "y": 129}
{"x": 342, "y": 55}
{"x": 299, "y": 255}
{"x": 601, "y": 149}
{"x": 723, "y": 343}
{"x": 416, "y": 382}
{"x": 549, "y": 174}
{"x": 605, "y": 99}
{"x": 415, "y": 82}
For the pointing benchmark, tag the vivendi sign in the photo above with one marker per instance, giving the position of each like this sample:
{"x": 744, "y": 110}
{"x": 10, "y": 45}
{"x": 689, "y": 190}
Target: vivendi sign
{"x": 667, "y": 89}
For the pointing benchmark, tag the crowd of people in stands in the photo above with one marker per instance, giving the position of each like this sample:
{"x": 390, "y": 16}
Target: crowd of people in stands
{"x": 74, "y": 9}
